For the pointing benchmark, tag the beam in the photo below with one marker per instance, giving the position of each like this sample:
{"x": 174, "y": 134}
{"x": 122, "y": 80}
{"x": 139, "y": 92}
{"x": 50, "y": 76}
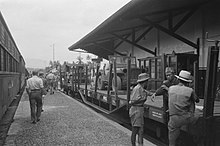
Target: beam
{"x": 183, "y": 20}
{"x": 116, "y": 46}
{"x": 143, "y": 34}
{"x": 192, "y": 44}
{"x": 136, "y": 45}
{"x": 104, "y": 48}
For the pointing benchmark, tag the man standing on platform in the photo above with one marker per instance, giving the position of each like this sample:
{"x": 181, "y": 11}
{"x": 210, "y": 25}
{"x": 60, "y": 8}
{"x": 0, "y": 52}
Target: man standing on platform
{"x": 182, "y": 100}
{"x": 51, "y": 80}
{"x": 34, "y": 90}
{"x": 136, "y": 112}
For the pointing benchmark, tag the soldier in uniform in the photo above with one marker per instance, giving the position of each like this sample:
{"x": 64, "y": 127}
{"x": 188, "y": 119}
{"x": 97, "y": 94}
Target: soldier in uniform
{"x": 34, "y": 89}
{"x": 136, "y": 112}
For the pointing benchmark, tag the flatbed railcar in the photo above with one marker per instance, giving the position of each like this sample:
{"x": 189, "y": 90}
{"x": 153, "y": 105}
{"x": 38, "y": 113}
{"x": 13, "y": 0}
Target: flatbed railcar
{"x": 12, "y": 68}
{"x": 149, "y": 28}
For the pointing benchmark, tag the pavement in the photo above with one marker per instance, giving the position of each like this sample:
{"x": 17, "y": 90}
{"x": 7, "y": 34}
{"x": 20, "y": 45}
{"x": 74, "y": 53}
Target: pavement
{"x": 65, "y": 122}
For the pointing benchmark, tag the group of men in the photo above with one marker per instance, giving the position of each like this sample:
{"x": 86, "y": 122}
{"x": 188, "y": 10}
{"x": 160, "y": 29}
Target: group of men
{"x": 179, "y": 97}
{"x": 37, "y": 87}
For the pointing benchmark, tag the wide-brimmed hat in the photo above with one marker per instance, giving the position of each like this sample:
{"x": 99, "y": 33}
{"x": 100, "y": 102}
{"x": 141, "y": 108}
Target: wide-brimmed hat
{"x": 185, "y": 76}
{"x": 142, "y": 77}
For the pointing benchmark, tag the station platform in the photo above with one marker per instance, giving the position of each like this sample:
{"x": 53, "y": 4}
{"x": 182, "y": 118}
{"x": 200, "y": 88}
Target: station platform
{"x": 65, "y": 121}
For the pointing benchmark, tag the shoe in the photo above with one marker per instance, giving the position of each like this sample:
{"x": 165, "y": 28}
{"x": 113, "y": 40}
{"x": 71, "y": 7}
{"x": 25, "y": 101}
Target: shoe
{"x": 42, "y": 110}
{"x": 38, "y": 120}
{"x": 34, "y": 122}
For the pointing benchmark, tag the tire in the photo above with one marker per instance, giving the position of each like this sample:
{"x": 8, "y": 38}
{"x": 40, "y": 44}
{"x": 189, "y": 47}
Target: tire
{"x": 101, "y": 84}
{"x": 118, "y": 83}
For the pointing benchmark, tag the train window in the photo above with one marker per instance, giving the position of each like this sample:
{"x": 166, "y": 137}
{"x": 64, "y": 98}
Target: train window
{"x": 0, "y": 59}
{"x": 10, "y": 63}
{"x": 4, "y": 60}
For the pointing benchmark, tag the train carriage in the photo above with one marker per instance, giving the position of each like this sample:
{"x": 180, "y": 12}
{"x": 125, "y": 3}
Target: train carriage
{"x": 12, "y": 68}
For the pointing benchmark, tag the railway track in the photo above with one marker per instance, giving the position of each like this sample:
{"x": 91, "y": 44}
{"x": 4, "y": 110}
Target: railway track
{"x": 147, "y": 134}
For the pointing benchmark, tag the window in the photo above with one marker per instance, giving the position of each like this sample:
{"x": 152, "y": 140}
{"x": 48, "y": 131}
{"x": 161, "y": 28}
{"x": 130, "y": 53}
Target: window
{"x": 0, "y": 58}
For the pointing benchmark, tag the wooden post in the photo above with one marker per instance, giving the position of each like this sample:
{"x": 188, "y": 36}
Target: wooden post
{"x": 116, "y": 86}
{"x": 96, "y": 81}
{"x": 196, "y": 69}
{"x": 80, "y": 76}
{"x": 128, "y": 80}
{"x": 210, "y": 94}
{"x": 165, "y": 100}
{"x": 78, "y": 80}
{"x": 86, "y": 83}
{"x": 72, "y": 82}
{"x": 109, "y": 97}
{"x": 61, "y": 83}
{"x": 75, "y": 69}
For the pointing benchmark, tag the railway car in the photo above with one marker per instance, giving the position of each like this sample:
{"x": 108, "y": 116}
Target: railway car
{"x": 12, "y": 68}
{"x": 149, "y": 29}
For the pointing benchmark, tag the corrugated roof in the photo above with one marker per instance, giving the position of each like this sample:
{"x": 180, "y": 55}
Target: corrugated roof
{"x": 100, "y": 40}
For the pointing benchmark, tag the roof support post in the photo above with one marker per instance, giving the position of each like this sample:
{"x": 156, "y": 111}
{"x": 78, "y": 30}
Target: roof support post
{"x": 136, "y": 45}
{"x": 171, "y": 33}
{"x": 133, "y": 41}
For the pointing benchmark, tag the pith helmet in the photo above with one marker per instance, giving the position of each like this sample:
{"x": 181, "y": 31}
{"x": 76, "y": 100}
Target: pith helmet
{"x": 143, "y": 77}
{"x": 185, "y": 76}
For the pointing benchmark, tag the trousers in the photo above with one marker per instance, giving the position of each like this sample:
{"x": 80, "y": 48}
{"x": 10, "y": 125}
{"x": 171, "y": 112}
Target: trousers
{"x": 35, "y": 99}
{"x": 176, "y": 122}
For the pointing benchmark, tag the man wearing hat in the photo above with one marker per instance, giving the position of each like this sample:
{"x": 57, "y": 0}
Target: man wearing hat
{"x": 163, "y": 90}
{"x": 182, "y": 100}
{"x": 136, "y": 112}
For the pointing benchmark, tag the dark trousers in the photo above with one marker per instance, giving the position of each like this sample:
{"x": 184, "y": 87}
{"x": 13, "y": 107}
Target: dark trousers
{"x": 135, "y": 131}
{"x": 35, "y": 99}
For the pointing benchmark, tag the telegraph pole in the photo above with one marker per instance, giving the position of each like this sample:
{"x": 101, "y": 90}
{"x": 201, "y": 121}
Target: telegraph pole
{"x": 53, "y": 53}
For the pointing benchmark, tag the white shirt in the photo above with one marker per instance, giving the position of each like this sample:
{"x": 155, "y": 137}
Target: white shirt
{"x": 34, "y": 83}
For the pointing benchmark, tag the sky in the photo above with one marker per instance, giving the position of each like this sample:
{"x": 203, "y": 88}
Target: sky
{"x": 41, "y": 26}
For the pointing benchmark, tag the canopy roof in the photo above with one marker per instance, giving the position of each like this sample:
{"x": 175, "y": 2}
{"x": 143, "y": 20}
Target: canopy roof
{"x": 136, "y": 15}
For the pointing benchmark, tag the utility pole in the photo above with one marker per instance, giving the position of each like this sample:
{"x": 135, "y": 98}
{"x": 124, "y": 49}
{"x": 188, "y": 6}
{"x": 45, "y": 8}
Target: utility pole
{"x": 53, "y": 53}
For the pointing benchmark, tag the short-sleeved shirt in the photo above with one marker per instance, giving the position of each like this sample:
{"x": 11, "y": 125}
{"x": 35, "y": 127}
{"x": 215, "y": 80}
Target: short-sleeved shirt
{"x": 136, "y": 111}
{"x": 138, "y": 93}
{"x": 34, "y": 83}
{"x": 181, "y": 100}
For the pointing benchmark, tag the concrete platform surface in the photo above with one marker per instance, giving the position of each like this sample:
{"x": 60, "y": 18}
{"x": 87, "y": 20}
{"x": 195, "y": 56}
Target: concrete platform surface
{"x": 65, "y": 122}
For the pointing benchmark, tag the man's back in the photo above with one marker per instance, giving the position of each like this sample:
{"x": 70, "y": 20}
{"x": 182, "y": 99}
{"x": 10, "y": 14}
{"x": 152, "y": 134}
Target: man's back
{"x": 180, "y": 99}
{"x": 34, "y": 83}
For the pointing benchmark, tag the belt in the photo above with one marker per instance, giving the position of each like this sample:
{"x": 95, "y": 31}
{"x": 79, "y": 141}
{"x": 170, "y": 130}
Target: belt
{"x": 138, "y": 105}
{"x": 33, "y": 90}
